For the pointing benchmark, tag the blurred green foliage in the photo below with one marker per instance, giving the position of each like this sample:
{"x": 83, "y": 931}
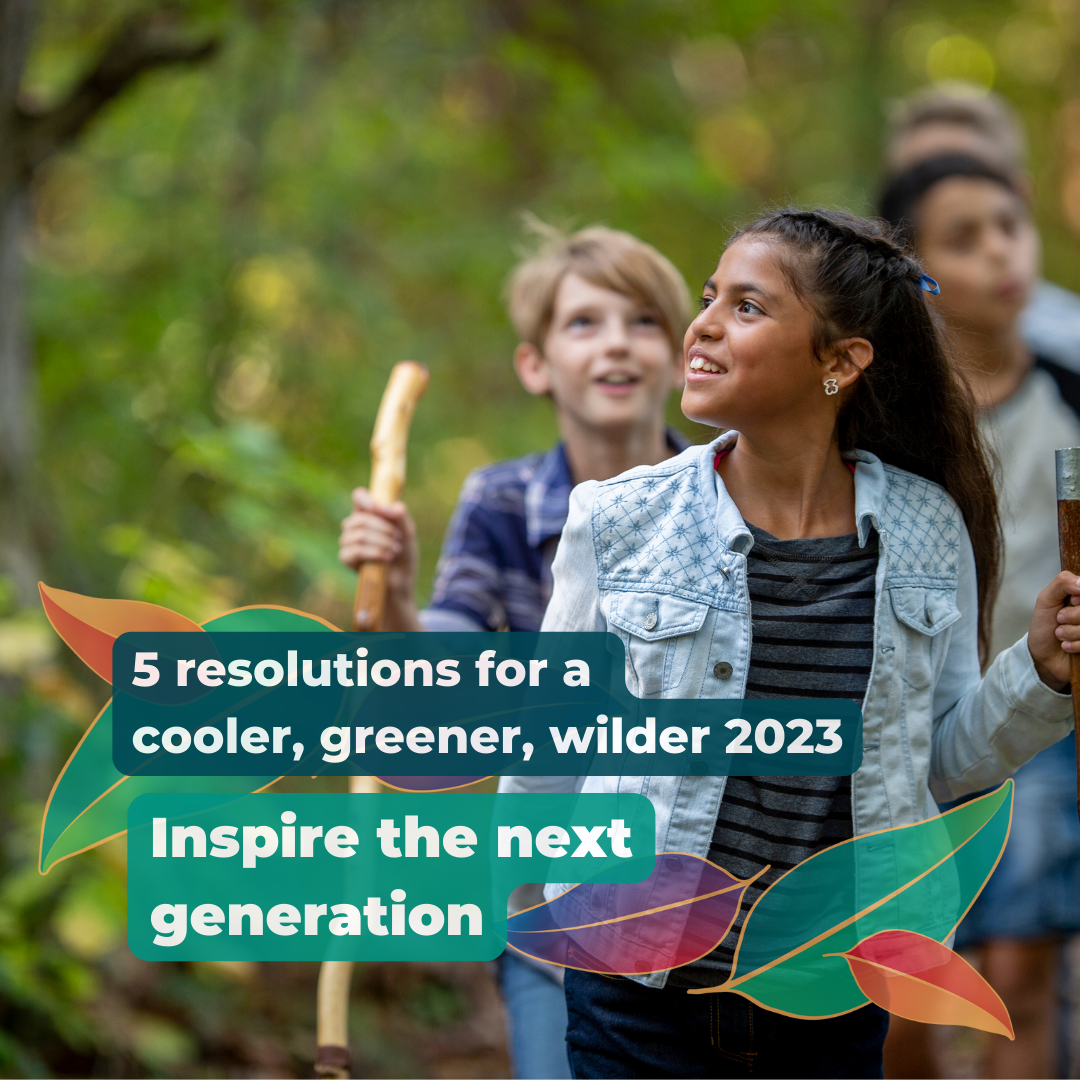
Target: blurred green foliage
{"x": 224, "y": 271}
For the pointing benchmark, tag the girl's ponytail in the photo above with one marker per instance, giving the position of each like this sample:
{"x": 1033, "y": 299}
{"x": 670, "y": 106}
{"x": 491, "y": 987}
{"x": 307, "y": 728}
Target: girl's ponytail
{"x": 909, "y": 407}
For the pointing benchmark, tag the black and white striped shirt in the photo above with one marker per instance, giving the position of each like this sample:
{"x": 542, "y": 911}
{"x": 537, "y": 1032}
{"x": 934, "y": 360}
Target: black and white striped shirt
{"x": 812, "y": 612}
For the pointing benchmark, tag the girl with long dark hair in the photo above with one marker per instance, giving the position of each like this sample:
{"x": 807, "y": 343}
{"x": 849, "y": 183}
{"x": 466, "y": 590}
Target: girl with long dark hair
{"x": 840, "y": 539}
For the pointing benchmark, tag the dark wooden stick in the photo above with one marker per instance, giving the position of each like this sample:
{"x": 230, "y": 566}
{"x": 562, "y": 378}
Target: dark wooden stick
{"x": 1068, "y": 494}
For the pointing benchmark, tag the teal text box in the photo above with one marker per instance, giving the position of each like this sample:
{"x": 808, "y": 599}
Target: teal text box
{"x": 454, "y": 706}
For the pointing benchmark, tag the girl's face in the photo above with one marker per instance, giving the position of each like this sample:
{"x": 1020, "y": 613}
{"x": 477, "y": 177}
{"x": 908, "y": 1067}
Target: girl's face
{"x": 749, "y": 354}
{"x": 976, "y": 239}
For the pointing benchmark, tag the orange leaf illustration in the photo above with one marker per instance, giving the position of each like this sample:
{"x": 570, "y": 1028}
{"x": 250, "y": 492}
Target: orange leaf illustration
{"x": 920, "y": 979}
{"x": 90, "y": 626}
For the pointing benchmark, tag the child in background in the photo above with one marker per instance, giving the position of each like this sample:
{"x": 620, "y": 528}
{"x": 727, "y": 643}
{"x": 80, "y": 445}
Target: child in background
{"x": 600, "y": 316}
{"x": 972, "y": 229}
{"x": 847, "y": 425}
{"x": 956, "y": 118}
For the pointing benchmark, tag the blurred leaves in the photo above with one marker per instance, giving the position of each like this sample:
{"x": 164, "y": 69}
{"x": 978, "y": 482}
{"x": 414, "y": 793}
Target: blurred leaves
{"x": 227, "y": 266}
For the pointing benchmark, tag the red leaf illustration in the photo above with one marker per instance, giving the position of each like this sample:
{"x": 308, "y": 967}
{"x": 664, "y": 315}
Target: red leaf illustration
{"x": 920, "y": 979}
{"x": 90, "y": 626}
{"x": 678, "y": 914}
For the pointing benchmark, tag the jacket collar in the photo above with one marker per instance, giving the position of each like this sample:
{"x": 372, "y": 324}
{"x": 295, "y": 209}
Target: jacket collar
{"x": 730, "y": 527}
{"x": 871, "y": 489}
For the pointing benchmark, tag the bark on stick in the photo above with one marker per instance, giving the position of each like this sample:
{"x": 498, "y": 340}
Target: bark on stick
{"x": 1068, "y": 494}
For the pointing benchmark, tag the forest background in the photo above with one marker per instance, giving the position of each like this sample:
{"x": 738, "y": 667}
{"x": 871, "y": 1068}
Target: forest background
{"x": 208, "y": 267}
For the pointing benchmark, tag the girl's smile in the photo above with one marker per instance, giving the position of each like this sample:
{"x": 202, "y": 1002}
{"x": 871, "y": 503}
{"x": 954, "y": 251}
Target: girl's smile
{"x": 700, "y": 365}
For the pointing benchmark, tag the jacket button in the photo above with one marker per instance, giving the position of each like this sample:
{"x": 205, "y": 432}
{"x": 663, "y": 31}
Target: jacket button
{"x": 722, "y": 670}
{"x": 650, "y": 620}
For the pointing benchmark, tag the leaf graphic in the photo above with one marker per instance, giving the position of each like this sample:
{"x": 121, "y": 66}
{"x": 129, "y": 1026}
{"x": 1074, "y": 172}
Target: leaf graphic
{"x": 918, "y": 978}
{"x": 89, "y": 801}
{"x": 678, "y": 914}
{"x": 89, "y": 625}
{"x": 922, "y": 877}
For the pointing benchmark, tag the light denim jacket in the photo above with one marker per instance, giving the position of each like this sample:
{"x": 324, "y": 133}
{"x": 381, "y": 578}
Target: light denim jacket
{"x": 658, "y": 557}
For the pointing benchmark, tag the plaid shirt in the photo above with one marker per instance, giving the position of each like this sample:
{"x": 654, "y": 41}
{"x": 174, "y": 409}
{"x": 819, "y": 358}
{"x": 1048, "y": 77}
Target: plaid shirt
{"x": 495, "y": 568}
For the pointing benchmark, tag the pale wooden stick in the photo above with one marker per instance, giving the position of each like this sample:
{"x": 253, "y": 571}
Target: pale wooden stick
{"x": 406, "y": 386}
{"x": 332, "y": 1059}
{"x": 408, "y": 381}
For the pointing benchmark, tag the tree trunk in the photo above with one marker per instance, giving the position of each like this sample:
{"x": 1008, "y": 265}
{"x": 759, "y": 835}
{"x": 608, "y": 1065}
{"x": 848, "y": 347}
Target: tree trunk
{"x": 18, "y": 555}
{"x": 29, "y": 136}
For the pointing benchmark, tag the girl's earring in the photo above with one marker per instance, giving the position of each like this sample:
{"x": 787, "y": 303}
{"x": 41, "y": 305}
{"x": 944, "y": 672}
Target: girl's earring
{"x": 832, "y": 387}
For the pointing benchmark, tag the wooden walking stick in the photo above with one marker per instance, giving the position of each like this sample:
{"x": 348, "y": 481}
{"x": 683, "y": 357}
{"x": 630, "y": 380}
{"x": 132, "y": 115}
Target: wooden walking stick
{"x": 407, "y": 384}
{"x": 1068, "y": 496}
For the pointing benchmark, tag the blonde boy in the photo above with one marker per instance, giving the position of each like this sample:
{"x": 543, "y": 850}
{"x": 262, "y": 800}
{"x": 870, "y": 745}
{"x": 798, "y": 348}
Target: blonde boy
{"x": 600, "y": 317}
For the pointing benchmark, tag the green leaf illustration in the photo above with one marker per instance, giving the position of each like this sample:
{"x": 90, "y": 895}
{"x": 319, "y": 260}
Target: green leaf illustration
{"x": 90, "y": 799}
{"x": 921, "y": 877}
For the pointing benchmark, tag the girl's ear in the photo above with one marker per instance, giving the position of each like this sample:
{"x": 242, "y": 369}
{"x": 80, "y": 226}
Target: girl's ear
{"x": 532, "y": 369}
{"x": 850, "y": 357}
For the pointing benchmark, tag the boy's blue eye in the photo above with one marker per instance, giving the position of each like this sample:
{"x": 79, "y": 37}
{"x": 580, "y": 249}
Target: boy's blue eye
{"x": 705, "y": 301}
{"x": 748, "y": 307}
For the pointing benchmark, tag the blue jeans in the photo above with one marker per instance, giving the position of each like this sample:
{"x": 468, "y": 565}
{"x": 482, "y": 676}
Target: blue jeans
{"x": 618, "y": 1028}
{"x": 536, "y": 1012}
{"x": 1035, "y": 890}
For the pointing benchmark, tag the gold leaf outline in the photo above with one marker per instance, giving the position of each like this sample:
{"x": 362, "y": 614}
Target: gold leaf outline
{"x": 729, "y": 987}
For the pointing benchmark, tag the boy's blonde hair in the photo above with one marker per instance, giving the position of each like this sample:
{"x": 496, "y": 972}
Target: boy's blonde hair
{"x": 609, "y": 258}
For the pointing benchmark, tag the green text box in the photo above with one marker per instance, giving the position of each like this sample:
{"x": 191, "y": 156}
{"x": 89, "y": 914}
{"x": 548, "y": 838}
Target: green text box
{"x": 319, "y": 872}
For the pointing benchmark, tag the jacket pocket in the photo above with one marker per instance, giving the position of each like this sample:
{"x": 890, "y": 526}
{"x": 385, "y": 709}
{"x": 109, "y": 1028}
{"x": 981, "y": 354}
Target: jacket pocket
{"x": 658, "y": 632}
{"x": 926, "y": 612}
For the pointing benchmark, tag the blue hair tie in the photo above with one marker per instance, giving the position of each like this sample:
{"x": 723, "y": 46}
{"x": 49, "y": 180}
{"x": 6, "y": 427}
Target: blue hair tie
{"x": 930, "y": 285}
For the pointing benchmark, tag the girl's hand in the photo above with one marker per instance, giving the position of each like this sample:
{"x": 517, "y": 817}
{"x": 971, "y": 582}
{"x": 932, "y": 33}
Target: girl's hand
{"x": 1054, "y": 634}
{"x": 387, "y": 534}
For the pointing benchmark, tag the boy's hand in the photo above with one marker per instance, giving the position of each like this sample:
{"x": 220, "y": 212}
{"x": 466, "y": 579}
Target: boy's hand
{"x": 373, "y": 533}
{"x": 1055, "y": 629}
